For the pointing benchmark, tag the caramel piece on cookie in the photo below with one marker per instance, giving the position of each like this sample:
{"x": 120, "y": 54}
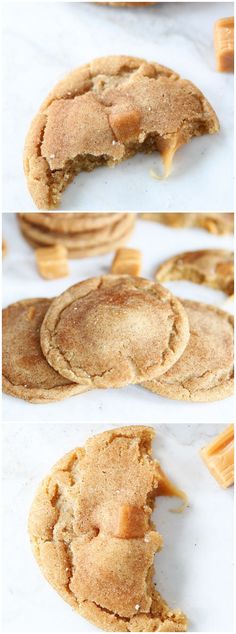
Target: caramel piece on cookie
{"x": 111, "y": 482}
{"x": 52, "y": 262}
{"x": 132, "y": 522}
{"x": 224, "y": 45}
{"x": 127, "y": 262}
{"x": 125, "y": 125}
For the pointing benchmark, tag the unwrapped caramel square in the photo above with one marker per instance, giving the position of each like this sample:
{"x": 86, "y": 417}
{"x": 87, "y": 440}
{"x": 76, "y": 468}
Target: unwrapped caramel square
{"x": 127, "y": 262}
{"x": 125, "y": 125}
{"x": 224, "y": 44}
{"x": 4, "y": 247}
{"x": 132, "y": 522}
{"x": 219, "y": 457}
{"x": 52, "y": 261}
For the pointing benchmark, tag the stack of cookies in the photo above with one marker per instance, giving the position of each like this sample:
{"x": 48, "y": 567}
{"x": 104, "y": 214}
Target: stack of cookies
{"x": 113, "y": 331}
{"x": 83, "y": 234}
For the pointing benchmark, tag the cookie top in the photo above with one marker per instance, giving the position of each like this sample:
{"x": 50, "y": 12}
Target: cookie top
{"x": 212, "y": 267}
{"x": 92, "y": 535}
{"x": 71, "y": 222}
{"x": 114, "y": 330}
{"x": 204, "y": 372}
{"x": 105, "y": 112}
{"x": 74, "y": 240}
{"x": 26, "y": 373}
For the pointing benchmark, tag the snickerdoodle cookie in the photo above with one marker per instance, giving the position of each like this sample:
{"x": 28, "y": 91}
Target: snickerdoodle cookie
{"x": 111, "y": 331}
{"x": 204, "y": 372}
{"x": 211, "y": 267}
{"x": 26, "y": 373}
{"x": 105, "y": 112}
{"x": 218, "y": 223}
{"x": 92, "y": 535}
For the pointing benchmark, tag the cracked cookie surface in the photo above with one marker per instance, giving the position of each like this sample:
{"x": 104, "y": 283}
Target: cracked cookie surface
{"x": 114, "y": 330}
{"x": 105, "y": 112}
{"x": 92, "y": 535}
{"x": 204, "y": 372}
{"x": 211, "y": 267}
{"x": 26, "y": 373}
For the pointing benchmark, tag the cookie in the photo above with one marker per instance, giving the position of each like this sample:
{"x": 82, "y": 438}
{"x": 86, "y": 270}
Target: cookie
{"x": 218, "y": 223}
{"x": 79, "y": 240}
{"x": 71, "y": 222}
{"x": 204, "y": 372}
{"x": 105, "y": 112}
{"x": 26, "y": 373}
{"x": 92, "y": 535}
{"x": 171, "y": 219}
{"x": 211, "y": 267}
{"x": 111, "y": 331}
{"x": 92, "y": 251}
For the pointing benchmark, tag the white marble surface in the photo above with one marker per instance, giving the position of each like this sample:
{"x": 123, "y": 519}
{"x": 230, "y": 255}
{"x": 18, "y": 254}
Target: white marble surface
{"x": 132, "y": 404}
{"x": 43, "y": 41}
{"x": 194, "y": 569}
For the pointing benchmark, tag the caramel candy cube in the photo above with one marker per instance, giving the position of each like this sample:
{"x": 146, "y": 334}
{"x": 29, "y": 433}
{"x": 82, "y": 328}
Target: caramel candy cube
{"x": 127, "y": 262}
{"x": 4, "y": 247}
{"x": 125, "y": 125}
{"x": 219, "y": 457}
{"x": 224, "y": 45}
{"x": 52, "y": 262}
{"x": 132, "y": 522}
